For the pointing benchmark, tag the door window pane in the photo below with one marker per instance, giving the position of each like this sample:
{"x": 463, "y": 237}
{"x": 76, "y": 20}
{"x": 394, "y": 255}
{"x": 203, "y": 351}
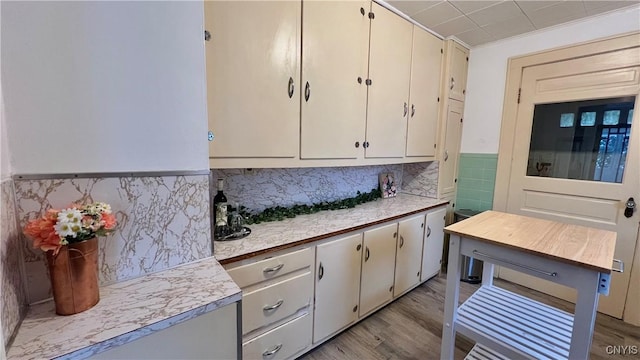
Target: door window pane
{"x": 588, "y": 119}
{"x": 566, "y": 120}
{"x": 611, "y": 117}
{"x": 595, "y": 149}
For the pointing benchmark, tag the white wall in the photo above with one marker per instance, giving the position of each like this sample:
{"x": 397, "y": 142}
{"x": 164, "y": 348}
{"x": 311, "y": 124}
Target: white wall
{"x": 104, "y": 86}
{"x": 488, "y": 71}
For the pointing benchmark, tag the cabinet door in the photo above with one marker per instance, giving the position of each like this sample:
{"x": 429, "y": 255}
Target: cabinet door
{"x": 426, "y": 66}
{"x": 378, "y": 263}
{"x": 450, "y": 148}
{"x": 252, "y": 63}
{"x": 433, "y": 243}
{"x": 388, "y": 94}
{"x": 409, "y": 254}
{"x": 334, "y": 102}
{"x": 337, "y": 285}
{"x": 458, "y": 62}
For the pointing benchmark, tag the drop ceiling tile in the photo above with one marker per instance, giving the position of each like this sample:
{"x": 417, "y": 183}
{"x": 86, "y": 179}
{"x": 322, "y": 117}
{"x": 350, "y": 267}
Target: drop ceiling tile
{"x": 455, "y": 26}
{"x": 437, "y": 15}
{"x": 610, "y": 5}
{"x": 495, "y": 13}
{"x": 556, "y": 14}
{"x": 412, "y": 7}
{"x": 474, "y": 37}
{"x": 471, "y": 6}
{"x": 533, "y": 5}
{"x": 510, "y": 27}
{"x": 597, "y": 7}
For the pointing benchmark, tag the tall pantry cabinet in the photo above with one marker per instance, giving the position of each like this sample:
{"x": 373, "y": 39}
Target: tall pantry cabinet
{"x": 454, "y": 91}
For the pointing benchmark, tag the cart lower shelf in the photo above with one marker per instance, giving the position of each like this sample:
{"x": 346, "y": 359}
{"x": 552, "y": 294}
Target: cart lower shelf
{"x": 481, "y": 352}
{"x": 514, "y": 325}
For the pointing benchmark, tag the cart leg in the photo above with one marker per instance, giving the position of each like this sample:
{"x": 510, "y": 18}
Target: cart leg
{"x": 585, "y": 315}
{"x": 451, "y": 298}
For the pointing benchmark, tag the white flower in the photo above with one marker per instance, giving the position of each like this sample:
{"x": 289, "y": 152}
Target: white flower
{"x": 98, "y": 208}
{"x": 64, "y": 229}
{"x": 69, "y": 216}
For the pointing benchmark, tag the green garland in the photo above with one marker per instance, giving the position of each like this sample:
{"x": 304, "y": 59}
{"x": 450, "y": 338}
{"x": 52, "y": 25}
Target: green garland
{"x": 280, "y": 213}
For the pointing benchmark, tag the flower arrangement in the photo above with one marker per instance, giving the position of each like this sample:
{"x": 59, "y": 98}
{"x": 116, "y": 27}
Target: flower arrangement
{"x": 75, "y": 224}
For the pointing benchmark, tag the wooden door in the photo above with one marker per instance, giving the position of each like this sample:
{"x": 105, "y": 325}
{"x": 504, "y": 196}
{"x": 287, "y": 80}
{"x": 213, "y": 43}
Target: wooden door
{"x": 378, "y": 264}
{"x": 424, "y": 94}
{"x": 577, "y": 157}
{"x": 408, "y": 254}
{"x": 450, "y": 148}
{"x": 253, "y": 87}
{"x": 433, "y": 243}
{"x": 388, "y": 94}
{"x": 334, "y": 70}
{"x": 337, "y": 285}
{"x": 458, "y": 63}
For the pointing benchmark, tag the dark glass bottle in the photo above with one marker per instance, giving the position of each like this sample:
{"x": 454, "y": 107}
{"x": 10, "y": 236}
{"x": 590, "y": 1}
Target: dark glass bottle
{"x": 220, "y": 211}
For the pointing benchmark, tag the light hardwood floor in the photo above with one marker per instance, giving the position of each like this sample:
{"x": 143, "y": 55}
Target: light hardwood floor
{"x": 411, "y": 328}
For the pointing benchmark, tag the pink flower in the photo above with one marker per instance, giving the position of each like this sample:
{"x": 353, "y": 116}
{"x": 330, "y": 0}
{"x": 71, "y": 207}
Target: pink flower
{"x": 109, "y": 221}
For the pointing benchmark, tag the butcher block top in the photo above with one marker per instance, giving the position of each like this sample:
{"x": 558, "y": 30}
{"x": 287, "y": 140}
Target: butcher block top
{"x": 580, "y": 245}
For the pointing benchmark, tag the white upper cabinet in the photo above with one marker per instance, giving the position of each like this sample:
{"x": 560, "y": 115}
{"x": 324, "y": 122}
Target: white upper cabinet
{"x": 253, "y": 67}
{"x": 388, "y": 93}
{"x": 458, "y": 58}
{"x": 424, "y": 111}
{"x": 334, "y": 70}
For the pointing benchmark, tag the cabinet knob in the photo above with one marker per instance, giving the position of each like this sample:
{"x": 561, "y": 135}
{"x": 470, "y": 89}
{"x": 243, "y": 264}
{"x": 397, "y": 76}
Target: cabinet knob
{"x": 359, "y": 80}
{"x": 368, "y": 82}
{"x": 365, "y": 144}
{"x": 453, "y": 83}
{"x": 428, "y": 231}
{"x": 307, "y": 91}
{"x": 366, "y": 254}
{"x": 372, "y": 15}
{"x": 358, "y": 247}
{"x": 418, "y": 274}
{"x": 207, "y": 35}
{"x": 401, "y": 241}
{"x": 446, "y": 155}
{"x": 355, "y": 308}
{"x": 357, "y": 144}
{"x": 362, "y": 11}
{"x": 413, "y": 110}
{"x": 406, "y": 109}
{"x": 320, "y": 271}
{"x": 391, "y": 288}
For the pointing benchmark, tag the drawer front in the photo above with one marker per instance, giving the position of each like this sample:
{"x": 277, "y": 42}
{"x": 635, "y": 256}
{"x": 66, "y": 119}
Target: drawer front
{"x": 276, "y": 301}
{"x": 281, "y": 342}
{"x": 254, "y": 273}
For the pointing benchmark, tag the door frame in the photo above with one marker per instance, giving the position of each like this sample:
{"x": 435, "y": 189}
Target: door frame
{"x": 515, "y": 68}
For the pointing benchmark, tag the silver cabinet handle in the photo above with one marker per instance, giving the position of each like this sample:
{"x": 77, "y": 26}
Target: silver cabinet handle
{"x": 401, "y": 241}
{"x": 273, "y": 269}
{"x": 290, "y": 88}
{"x": 428, "y": 231}
{"x": 274, "y": 306}
{"x": 621, "y": 268}
{"x": 320, "y": 271}
{"x": 552, "y": 274}
{"x": 446, "y": 155}
{"x": 453, "y": 83}
{"x": 413, "y": 110}
{"x": 366, "y": 254}
{"x": 272, "y": 351}
{"x": 406, "y": 109}
{"x": 307, "y": 91}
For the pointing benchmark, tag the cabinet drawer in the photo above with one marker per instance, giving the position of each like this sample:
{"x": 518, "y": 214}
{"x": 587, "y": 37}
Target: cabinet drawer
{"x": 276, "y": 301}
{"x": 283, "y": 341}
{"x": 250, "y": 274}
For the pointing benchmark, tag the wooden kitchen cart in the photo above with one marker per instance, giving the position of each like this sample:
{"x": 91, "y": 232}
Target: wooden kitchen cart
{"x": 514, "y": 326}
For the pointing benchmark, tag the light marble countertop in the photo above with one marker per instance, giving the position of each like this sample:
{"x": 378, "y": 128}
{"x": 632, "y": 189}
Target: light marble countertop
{"x": 126, "y": 311}
{"x": 324, "y": 224}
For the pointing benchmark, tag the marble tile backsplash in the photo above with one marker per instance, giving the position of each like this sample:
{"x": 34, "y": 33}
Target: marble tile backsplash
{"x": 258, "y": 189}
{"x": 163, "y": 221}
{"x": 11, "y": 281}
{"x": 420, "y": 179}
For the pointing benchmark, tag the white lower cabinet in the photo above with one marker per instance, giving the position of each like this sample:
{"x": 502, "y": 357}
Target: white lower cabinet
{"x": 277, "y": 298}
{"x": 409, "y": 253}
{"x": 433, "y": 243}
{"x": 213, "y": 335}
{"x": 337, "y": 285}
{"x": 378, "y": 263}
{"x": 281, "y": 342}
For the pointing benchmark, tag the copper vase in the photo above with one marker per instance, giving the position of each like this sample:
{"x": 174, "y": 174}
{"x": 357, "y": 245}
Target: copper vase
{"x": 74, "y": 277}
